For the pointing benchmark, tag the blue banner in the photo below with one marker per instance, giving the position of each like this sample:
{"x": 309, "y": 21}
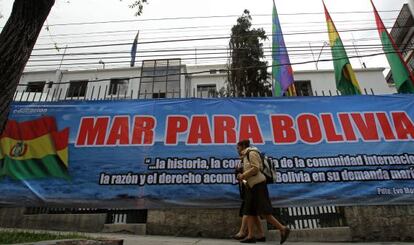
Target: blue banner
{"x": 165, "y": 153}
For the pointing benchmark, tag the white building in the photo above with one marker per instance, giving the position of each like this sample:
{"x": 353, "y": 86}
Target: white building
{"x": 170, "y": 79}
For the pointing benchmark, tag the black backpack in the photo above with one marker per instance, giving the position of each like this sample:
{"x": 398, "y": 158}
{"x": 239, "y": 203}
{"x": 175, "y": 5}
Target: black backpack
{"x": 268, "y": 169}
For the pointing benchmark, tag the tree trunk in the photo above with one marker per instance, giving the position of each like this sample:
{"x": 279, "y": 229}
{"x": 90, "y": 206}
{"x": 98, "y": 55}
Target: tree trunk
{"x": 17, "y": 40}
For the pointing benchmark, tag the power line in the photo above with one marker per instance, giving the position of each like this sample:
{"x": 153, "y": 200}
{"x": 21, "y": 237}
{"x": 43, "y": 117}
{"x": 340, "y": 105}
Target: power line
{"x": 214, "y": 47}
{"x": 299, "y": 52}
{"x": 291, "y": 50}
{"x": 62, "y": 43}
{"x": 173, "y": 29}
{"x": 126, "y": 34}
{"x": 122, "y": 40}
{"x": 227, "y": 57}
{"x": 200, "y": 51}
{"x": 214, "y": 16}
{"x": 207, "y": 39}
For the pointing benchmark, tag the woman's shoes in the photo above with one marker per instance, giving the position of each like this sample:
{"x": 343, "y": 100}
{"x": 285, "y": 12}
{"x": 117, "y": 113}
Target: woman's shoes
{"x": 236, "y": 237}
{"x": 284, "y": 236}
{"x": 248, "y": 240}
{"x": 262, "y": 239}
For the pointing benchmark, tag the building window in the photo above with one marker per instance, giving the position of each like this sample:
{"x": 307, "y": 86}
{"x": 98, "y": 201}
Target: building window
{"x": 303, "y": 88}
{"x": 35, "y": 87}
{"x": 77, "y": 89}
{"x": 160, "y": 79}
{"x": 158, "y": 95}
{"x": 118, "y": 86}
{"x": 206, "y": 91}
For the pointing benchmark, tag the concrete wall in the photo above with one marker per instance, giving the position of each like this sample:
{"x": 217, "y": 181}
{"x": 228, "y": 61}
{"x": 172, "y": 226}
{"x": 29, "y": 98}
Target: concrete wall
{"x": 324, "y": 80}
{"x": 15, "y": 218}
{"x": 218, "y": 80}
{"x": 222, "y": 223}
{"x": 11, "y": 217}
{"x": 381, "y": 223}
{"x": 214, "y": 77}
{"x": 39, "y": 76}
{"x": 98, "y": 78}
{"x": 94, "y": 75}
{"x": 369, "y": 223}
{"x": 214, "y": 223}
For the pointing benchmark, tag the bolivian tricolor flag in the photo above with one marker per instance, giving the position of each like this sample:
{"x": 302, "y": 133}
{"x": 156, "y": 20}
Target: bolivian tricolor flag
{"x": 404, "y": 80}
{"x": 34, "y": 150}
{"x": 346, "y": 81}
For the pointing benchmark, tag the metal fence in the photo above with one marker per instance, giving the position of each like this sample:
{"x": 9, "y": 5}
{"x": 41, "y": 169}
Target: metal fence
{"x": 311, "y": 217}
{"x": 113, "y": 216}
{"x": 92, "y": 91}
{"x": 294, "y": 217}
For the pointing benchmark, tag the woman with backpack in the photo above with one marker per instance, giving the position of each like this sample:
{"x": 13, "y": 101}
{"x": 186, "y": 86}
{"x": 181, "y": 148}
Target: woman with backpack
{"x": 256, "y": 196}
{"x": 242, "y": 233}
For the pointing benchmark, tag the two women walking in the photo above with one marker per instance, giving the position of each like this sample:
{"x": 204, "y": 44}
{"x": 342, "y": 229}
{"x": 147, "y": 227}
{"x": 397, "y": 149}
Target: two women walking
{"x": 256, "y": 201}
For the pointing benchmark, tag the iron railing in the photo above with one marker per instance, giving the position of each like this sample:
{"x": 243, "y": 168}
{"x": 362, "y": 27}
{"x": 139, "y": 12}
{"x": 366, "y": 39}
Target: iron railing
{"x": 311, "y": 217}
{"x": 93, "y": 91}
{"x": 113, "y": 216}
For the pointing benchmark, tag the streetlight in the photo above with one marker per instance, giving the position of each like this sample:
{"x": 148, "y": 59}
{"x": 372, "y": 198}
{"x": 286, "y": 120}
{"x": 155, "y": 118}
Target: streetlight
{"x": 320, "y": 53}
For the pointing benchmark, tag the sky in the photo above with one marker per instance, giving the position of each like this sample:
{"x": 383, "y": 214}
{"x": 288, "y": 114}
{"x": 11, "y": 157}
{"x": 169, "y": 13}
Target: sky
{"x": 294, "y": 17}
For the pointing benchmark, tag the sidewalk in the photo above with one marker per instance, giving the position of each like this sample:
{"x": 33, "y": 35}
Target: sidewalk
{"x": 159, "y": 240}
{"x": 166, "y": 240}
